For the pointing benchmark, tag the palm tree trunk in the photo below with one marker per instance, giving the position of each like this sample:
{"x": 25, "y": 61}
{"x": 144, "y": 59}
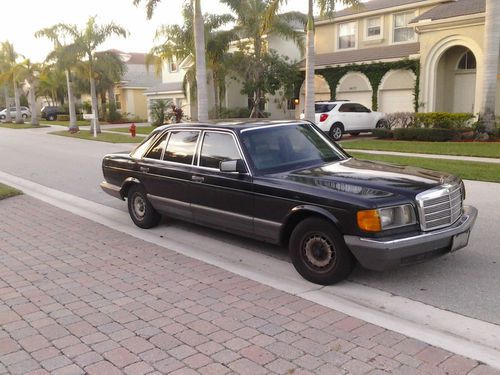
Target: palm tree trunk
{"x": 95, "y": 107}
{"x": 309, "y": 79}
{"x": 201, "y": 68}
{"x": 33, "y": 108}
{"x": 73, "y": 125}
{"x": 17, "y": 100}
{"x": 491, "y": 48}
{"x": 8, "y": 117}
{"x": 216, "y": 95}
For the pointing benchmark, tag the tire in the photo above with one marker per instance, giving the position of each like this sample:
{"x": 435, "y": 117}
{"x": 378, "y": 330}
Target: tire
{"x": 381, "y": 124}
{"x": 24, "y": 116}
{"x": 318, "y": 252}
{"x": 2, "y": 117}
{"x": 51, "y": 117}
{"x": 354, "y": 134}
{"x": 140, "y": 209}
{"x": 336, "y": 132}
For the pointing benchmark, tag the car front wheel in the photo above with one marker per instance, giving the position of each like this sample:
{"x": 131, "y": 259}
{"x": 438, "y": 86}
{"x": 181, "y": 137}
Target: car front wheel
{"x": 336, "y": 132}
{"x": 25, "y": 116}
{"x": 51, "y": 117}
{"x": 319, "y": 253}
{"x": 140, "y": 209}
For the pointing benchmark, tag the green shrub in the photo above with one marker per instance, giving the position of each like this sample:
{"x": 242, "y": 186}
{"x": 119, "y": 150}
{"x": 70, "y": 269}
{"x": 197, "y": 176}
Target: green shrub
{"x": 382, "y": 133}
{"x": 232, "y": 113}
{"x": 62, "y": 117}
{"x": 425, "y": 134}
{"x": 443, "y": 120}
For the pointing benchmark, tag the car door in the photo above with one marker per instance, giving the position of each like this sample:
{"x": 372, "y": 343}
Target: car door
{"x": 365, "y": 118}
{"x": 166, "y": 172}
{"x": 222, "y": 200}
{"x": 348, "y": 117}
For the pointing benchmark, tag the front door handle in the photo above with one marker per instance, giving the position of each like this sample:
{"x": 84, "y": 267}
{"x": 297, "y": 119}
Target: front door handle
{"x": 144, "y": 169}
{"x": 197, "y": 178}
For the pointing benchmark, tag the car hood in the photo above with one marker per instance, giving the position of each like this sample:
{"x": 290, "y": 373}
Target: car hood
{"x": 370, "y": 178}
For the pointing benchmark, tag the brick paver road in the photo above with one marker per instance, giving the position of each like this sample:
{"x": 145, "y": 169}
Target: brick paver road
{"x": 77, "y": 297}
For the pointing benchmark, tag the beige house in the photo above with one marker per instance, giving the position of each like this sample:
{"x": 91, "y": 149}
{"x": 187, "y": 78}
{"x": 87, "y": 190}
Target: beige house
{"x": 129, "y": 92}
{"x": 389, "y": 53}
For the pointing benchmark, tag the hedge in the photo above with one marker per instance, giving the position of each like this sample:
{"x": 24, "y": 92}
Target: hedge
{"x": 425, "y": 134}
{"x": 443, "y": 120}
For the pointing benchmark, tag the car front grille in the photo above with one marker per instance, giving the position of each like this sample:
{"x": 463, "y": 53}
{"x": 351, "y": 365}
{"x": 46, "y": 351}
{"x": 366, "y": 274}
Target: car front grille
{"x": 440, "y": 207}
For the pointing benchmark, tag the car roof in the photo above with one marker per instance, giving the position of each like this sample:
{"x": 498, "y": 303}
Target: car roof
{"x": 334, "y": 102}
{"x": 231, "y": 125}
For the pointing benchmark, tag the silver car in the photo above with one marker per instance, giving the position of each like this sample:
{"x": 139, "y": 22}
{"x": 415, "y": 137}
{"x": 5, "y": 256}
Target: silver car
{"x": 25, "y": 113}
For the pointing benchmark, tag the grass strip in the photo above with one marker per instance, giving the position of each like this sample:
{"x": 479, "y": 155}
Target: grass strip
{"x": 139, "y": 129}
{"x": 101, "y": 137}
{"x": 467, "y": 170}
{"x": 7, "y": 191}
{"x": 481, "y": 149}
{"x": 22, "y": 126}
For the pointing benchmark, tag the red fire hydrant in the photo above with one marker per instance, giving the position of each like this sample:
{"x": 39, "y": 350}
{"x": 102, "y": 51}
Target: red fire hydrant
{"x": 132, "y": 130}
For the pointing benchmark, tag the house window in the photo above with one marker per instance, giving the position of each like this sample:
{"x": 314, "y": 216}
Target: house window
{"x": 402, "y": 32}
{"x": 467, "y": 62}
{"x": 373, "y": 28}
{"x": 118, "y": 103}
{"x": 347, "y": 35}
{"x": 172, "y": 64}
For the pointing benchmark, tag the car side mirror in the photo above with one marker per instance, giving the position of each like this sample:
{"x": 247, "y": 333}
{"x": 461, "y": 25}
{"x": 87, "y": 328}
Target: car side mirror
{"x": 236, "y": 165}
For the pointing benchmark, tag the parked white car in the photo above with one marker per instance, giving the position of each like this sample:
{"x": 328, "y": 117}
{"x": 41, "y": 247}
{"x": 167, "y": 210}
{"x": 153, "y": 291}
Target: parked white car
{"x": 342, "y": 116}
{"x": 25, "y": 113}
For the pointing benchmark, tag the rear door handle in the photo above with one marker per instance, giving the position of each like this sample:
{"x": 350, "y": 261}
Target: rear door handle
{"x": 197, "y": 178}
{"x": 144, "y": 169}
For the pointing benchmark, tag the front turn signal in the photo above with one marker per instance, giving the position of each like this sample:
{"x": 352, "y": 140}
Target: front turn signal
{"x": 369, "y": 220}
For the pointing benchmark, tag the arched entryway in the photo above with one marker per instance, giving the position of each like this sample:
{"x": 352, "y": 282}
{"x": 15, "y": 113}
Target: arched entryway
{"x": 456, "y": 80}
{"x": 450, "y": 70}
{"x": 321, "y": 91}
{"x": 397, "y": 91}
{"x": 356, "y": 87}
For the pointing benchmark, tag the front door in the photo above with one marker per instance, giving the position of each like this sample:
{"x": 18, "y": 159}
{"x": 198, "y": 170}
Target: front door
{"x": 222, "y": 200}
{"x": 465, "y": 92}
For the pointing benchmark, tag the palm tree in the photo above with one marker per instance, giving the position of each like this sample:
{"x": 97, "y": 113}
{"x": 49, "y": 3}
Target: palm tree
{"x": 178, "y": 43}
{"x": 29, "y": 72}
{"x": 86, "y": 42}
{"x": 491, "y": 48}
{"x": 66, "y": 57}
{"x": 50, "y": 84}
{"x": 4, "y": 81}
{"x": 199, "y": 48}
{"x": 10, "y": 57}
{"x": 258, "y": 18}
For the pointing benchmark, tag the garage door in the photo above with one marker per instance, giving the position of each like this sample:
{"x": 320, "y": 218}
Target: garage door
{"x": 396, "y": 101}
{"x": 362, "y": 97}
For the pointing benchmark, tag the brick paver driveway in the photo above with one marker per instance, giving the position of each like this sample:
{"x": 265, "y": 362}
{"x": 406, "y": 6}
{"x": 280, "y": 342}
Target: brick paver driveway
{"x": 77, "y": 297}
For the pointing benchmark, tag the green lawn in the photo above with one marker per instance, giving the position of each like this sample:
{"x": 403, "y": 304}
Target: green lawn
{"x": 7, "y": 191}
{"x": 140, "y": 129}
{"x": 465, "y": 169}
{"x": 102, "y": 137}
{"x": 66, "y": 123}
{"x": 21, "y": 126}
{"x": 483, "y": 149}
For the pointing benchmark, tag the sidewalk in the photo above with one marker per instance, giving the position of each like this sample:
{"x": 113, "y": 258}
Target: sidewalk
{"x": 77, "y": 297}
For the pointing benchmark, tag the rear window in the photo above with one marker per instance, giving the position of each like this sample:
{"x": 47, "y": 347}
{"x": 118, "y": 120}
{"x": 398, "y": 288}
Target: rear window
{"x": 323, "y": 107}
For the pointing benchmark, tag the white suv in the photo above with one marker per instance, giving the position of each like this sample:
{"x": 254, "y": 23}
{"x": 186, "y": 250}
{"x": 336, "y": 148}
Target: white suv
{"x": 341, "y": 116}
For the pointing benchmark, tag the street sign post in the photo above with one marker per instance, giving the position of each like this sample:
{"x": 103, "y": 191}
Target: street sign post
{"x": 91, "y": 117}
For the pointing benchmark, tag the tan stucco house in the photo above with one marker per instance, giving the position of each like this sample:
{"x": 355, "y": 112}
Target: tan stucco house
{"x": 388, "y": 53}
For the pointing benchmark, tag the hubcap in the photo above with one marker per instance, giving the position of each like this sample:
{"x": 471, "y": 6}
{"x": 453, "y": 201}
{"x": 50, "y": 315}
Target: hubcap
{"x": 336, "y": 133}
{"x": 319, "y": 251}
{"x": 139, "y": 207}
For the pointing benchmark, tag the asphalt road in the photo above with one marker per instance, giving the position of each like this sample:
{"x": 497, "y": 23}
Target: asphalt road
{"x": 466, "y": 282}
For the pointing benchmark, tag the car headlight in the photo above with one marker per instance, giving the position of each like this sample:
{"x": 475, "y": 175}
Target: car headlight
{"x": 386, "y": 218}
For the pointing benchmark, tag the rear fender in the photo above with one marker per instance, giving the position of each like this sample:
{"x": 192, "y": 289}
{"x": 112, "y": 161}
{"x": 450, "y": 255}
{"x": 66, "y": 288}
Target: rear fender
{"x": 127, "y": 184}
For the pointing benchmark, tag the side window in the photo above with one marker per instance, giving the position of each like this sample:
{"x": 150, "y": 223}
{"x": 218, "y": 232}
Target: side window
{"x": 157, "y": 150}
{"x": 217, "y": 147}
{"x": 181, "y": 146}
{"x": 361, "y": 108}
{"x": 346, "y": 108}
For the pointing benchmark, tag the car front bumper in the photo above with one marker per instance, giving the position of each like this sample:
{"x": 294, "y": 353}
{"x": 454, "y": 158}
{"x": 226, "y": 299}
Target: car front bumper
{"x": 385, "y": 253}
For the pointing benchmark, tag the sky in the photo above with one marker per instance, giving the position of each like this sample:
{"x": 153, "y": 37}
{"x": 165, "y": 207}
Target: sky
{"x": 33, "y": 15}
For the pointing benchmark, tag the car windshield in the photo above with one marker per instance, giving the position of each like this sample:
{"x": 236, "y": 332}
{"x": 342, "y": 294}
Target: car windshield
{"x": 285, "y": 147}
{"x": 323, "y": 107}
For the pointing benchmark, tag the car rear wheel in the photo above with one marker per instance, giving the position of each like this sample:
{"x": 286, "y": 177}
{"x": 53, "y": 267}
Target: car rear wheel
{"x": 336, "y": 132}
{"x": 51, "y": 117}
{"x": 319, "y": 253}
{"x": 140, "y": 209}
{"x": 381, "y": 124}
{"x": 2, "y": 117}
{"x": 24, "y": 116}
